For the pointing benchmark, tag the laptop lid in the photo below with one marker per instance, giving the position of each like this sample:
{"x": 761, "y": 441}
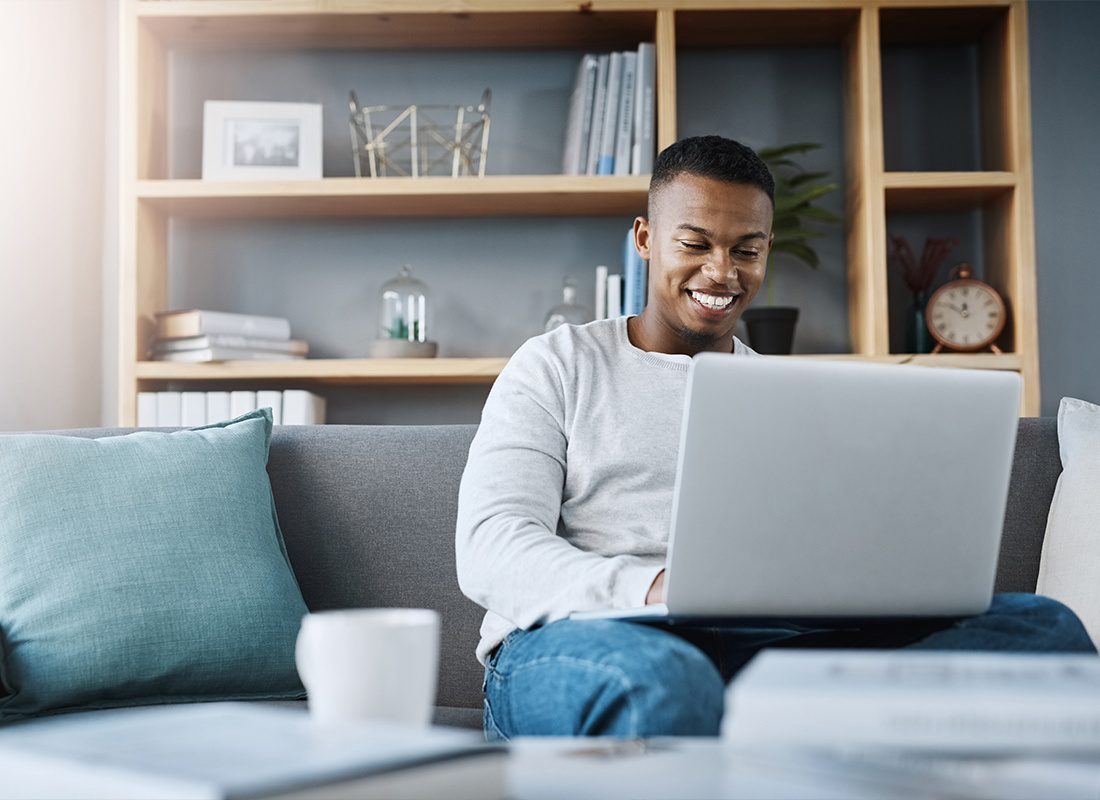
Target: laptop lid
{"x": 831, "y": 488}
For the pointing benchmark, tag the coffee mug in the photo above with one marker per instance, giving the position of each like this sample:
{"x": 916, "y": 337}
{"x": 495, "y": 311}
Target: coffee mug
{"x": 370, "y": 664}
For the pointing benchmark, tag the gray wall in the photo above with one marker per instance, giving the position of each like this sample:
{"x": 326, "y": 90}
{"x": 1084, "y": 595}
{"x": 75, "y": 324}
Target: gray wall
{"x": 1065, "y": 112}
{"x": 493, "y": 279}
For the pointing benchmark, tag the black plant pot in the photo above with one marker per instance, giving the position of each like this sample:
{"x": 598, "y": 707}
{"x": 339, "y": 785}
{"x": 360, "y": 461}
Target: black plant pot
{"x": 771, "y": 329}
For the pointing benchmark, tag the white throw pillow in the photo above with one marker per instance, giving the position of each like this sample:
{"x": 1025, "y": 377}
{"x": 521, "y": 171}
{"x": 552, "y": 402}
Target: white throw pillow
{"x": 1069, "y": 569}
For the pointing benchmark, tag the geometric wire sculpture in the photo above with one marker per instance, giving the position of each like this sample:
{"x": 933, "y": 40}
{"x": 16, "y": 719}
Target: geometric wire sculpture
{"x": 420, "y": 140}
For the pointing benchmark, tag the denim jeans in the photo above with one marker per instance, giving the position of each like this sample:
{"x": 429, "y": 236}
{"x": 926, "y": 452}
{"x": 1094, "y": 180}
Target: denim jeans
{"x": 614, "y": 678}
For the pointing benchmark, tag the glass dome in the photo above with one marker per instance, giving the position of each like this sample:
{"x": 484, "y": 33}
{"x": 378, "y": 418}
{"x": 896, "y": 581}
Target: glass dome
{"x": 404, "y": 312}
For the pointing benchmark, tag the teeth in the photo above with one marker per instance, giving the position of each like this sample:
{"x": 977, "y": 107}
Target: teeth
{"x": 712, "y": 301}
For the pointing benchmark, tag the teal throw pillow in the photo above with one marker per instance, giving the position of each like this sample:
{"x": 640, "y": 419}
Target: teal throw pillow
{"x": 141, "y": 569}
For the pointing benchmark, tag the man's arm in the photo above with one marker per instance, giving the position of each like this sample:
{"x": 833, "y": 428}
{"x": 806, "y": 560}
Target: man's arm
{"x": 510, "y": 559}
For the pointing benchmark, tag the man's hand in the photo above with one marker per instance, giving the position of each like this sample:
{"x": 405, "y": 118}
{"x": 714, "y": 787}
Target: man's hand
{"x": 656, "y": 593}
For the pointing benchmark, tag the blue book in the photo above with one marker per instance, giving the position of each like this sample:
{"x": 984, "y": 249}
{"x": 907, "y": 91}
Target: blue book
{"x": 634, "y": 278}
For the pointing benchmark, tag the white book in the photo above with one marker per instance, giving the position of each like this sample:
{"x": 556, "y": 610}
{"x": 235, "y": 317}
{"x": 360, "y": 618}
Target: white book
{"x": 169, "y": 409}
{"x": 147, "y": 409}
{"x": 214, "y": 340}
{"x": 625, "y": 128}
{"x": 579, "y": 125}
{"x": 241, "y": 751}
{"x": 303, "y": 408}
{"x": 241, "y": 402}
{"x": 645, "y": 81}
{"x": 193, "y": 409}
{"x": 610, "y": 129}
{"x": 923, "y": 700}
{"x": 599, "y": 105}
{"x": 272, "y": 399}
{"x": 196, "y": 322}
{"x": 225, "y": 354}
{"x": 614, "y": 295}
{"x": 601, "y": 292}
{"x": 217, "y": 407}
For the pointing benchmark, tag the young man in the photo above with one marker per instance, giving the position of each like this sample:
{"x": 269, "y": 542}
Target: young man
{"x": 566, "y": 500}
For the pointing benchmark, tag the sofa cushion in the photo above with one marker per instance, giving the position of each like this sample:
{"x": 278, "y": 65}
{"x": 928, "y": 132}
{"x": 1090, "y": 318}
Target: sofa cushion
{"x": 1069, "y": 569}
{"x": 146, "y": 568}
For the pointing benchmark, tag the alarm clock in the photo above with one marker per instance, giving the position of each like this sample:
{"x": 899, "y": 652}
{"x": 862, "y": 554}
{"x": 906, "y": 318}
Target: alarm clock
{"x": 965, "y": 314}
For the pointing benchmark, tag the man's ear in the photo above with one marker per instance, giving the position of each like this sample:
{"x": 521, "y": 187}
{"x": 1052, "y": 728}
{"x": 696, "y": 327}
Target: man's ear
{"x": 641, "y": 237}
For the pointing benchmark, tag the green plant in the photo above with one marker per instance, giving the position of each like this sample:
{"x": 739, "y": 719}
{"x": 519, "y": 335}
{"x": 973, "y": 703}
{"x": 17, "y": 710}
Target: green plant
{"x": 796, "y": 217}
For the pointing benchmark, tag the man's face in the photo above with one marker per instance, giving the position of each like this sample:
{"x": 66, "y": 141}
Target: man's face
{"x": 707, "y": 244}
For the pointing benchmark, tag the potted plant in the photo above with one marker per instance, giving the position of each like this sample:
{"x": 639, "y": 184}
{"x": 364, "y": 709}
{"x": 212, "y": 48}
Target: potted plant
{"x": 771, "y": 327}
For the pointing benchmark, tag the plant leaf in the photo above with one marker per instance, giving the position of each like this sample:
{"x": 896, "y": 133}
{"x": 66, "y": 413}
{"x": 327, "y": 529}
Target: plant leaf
{"x": 770, "y": 153}
{"x": 800, "y": 251}
{"x": 807, "y": 177}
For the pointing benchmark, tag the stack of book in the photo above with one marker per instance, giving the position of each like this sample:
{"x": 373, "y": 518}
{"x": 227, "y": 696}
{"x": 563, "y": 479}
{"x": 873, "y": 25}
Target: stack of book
{"x": 611, "y": 115}
{"x": 190, "y": 409}
{"x": 198, "y": 335}
{"x": 622, "y": 294}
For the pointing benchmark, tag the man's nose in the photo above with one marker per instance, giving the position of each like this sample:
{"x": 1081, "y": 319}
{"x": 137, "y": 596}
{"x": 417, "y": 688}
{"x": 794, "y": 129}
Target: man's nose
{"x": 721, "y": 268}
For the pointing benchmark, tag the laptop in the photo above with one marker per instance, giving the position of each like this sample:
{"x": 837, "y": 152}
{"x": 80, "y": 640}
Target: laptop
{"x": 833, "y": 490}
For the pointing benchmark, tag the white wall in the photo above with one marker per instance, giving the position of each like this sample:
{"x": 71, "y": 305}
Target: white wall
{"x": 52, "y": 117}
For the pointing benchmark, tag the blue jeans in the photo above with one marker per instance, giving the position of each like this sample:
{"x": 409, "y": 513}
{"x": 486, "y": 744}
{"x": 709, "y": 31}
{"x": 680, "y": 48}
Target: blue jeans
{"x": 613, "y": 678}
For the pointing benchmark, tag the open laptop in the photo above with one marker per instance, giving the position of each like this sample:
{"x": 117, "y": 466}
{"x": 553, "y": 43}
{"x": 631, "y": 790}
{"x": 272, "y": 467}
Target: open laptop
{"x": 836, "y": 490}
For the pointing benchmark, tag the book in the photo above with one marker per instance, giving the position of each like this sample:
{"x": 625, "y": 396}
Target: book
{"x": 147, "y": 409}
{"x": 196, "y": 322}
{"x": 599, "y": 106}
{"x": 169, "y": 409}
{"x": 241, "y": 402}
{"x": 303, "y": 408}
{"x": 625, "y": 126}
{"x": 579, "y": 126}
{"x": 634, "y": 278}
{"x": 217, "y": 407}
{"x": 273, "y": 399}
{"x": 206, "y": 341}
{"x": 192, "y": 409}
{"x": 241, "y": 751}
{"x": 605, "y": 164}
{"x": 923, "y": 700}
{"x": 601, "y": 292}
{"x": 614, "y": 296}
{"x": 645, "y": 79}
{"x": 225, "y": 354}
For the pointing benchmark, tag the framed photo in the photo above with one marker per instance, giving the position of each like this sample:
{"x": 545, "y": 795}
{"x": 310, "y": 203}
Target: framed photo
{"x": 244, "y": 141}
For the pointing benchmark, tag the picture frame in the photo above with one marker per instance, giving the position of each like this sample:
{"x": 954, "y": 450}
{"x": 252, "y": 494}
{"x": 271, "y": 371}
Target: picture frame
{"x": 244, "y": 141}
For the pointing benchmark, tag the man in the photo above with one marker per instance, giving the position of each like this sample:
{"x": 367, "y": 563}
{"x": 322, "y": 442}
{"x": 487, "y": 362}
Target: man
{"x": 566, "y": 500}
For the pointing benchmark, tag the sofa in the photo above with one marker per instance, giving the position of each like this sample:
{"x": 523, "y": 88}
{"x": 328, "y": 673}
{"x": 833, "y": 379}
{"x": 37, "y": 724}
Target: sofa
{"x": 368, "y": 513}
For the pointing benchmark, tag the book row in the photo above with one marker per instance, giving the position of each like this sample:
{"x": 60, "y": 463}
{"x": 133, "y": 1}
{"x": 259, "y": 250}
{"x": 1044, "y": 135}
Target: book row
{"x": 171, "y": 409}
{"x": 622, "y": 294}
{"x": 610, "y": 129}
{"x": 196, "y": 335}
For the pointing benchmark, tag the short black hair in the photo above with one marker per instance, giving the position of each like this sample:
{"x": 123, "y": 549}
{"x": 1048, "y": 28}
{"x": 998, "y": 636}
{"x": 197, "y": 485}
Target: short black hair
{"x": 712, "y": 157}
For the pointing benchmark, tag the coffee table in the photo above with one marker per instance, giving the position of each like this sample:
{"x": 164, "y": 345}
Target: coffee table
{"x": 708, "y": 768}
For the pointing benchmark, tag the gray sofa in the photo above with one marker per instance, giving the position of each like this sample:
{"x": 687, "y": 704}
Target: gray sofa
{"x": 368, "y": 516}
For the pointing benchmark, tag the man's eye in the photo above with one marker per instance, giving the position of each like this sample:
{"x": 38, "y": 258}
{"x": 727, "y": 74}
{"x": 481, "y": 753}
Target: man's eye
{"x": 694, "y": 246}
{"x": 746, "y": 253}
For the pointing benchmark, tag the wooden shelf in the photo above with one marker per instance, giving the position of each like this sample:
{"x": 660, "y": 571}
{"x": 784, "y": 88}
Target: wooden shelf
{"x": 393, "y": 24}
{"x": 506, "y": 195}
{"x": 331, "y": 370}
{"x": 460, "y": 370}
{"x": 940, "y": 191}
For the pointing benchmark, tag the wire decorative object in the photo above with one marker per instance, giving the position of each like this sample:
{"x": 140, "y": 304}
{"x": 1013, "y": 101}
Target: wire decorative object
{"x": 420, "y": 140}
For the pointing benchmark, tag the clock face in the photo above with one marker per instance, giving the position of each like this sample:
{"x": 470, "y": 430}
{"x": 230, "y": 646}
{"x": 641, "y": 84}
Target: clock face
{"x": 966, "y": 315}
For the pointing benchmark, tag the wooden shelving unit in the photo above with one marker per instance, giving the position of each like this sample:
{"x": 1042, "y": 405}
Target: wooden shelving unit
{"x": 152, "y": 29}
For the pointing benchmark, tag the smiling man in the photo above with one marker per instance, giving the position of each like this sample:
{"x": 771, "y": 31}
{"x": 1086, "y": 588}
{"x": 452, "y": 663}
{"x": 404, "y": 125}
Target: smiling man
{"x": 566, "y": 501}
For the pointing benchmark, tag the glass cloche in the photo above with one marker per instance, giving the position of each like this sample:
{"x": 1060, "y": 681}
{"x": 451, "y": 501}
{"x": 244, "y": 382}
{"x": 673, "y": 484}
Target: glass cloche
{"x": 568, "y": 311}
{"x": 404, "y": 307}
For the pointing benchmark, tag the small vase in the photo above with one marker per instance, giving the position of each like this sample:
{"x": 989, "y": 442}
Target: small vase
{"x": 918, "y": 340}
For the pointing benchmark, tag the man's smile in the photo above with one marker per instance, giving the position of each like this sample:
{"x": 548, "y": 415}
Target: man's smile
{"x": 713, "y": 304}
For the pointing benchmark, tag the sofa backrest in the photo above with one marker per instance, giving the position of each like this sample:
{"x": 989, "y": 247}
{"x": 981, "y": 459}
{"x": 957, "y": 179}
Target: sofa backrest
{"x": 368, "y": 514}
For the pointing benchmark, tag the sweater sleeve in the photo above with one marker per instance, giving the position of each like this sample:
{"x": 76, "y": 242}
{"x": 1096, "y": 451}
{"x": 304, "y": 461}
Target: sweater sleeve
{"x": 509, "y": 556}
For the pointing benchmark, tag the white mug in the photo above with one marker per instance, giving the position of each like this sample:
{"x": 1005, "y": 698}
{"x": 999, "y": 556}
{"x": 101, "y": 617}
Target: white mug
{"x": 370, "y": 664}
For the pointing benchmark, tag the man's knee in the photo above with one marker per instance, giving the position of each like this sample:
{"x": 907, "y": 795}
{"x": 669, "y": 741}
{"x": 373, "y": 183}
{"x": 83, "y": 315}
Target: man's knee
{"x": 630, "y": 681}
{"x": 1052, "y": 621}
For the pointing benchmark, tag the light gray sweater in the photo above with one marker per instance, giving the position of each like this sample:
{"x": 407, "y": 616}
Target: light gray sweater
{"x": 566, "y": 500}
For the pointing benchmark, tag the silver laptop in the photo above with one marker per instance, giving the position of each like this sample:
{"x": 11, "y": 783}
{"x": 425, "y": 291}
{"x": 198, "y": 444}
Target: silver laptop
{"x": 830, "y": 489}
